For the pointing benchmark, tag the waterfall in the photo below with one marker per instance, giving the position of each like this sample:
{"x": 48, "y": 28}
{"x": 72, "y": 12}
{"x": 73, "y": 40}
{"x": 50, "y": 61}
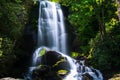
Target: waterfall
{"x": 51, "y": 30}
{"x": 52, "y": 37}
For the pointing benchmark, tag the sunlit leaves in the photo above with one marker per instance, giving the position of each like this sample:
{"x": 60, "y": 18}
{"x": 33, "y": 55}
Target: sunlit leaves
{"x": 99, "y": 1}
{"x": 81, "y": 18}
{"x": 111, "y": 24}
{"x": 81, "y": 11}
{"x": 67, "y": 2}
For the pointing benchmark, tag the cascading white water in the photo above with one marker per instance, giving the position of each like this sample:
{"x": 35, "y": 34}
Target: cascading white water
{"x": 51, "y": 34}
{"x": 51, "y": 30}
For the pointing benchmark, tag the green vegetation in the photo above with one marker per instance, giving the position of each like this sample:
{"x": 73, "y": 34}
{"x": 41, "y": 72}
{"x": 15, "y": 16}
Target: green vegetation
{"x": 14, "y": 15}
{"x": 106, "y": 52}
{"x": 55, "y": 0}
{"x": 97, "y": 31}
{"x": 95, "y": 24}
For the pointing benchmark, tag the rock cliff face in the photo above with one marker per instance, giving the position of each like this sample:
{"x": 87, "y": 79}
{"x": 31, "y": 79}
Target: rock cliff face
{"x": 115, "y": 77}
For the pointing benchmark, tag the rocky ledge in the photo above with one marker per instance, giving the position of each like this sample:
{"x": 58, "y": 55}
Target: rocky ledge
{"x": 9, "y": 78}
{"x": 115, "y": 77}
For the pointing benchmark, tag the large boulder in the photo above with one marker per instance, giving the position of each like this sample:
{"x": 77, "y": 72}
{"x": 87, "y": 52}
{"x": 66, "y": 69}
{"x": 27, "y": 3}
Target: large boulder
{"x": 87, "y": 76}
{"x": 50, "y": 65}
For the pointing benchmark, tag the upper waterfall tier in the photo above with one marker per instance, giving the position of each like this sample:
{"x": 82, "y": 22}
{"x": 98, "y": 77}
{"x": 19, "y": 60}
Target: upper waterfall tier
{"x": 51, "y": 29}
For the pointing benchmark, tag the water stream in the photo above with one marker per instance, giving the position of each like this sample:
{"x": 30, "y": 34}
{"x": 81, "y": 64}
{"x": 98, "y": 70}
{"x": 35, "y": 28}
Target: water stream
{"x": 52, "y": 35}
{"x": 51, "y": 30}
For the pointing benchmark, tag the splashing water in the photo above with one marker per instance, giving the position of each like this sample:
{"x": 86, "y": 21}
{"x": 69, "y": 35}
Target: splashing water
{"x": 52, "y": 35}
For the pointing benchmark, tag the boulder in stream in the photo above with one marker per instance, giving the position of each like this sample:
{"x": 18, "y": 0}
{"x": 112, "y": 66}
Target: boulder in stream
{"x": 50, "y": 65}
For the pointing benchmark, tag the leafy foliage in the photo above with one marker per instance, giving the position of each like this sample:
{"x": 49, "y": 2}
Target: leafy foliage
{"x": 82, "y": 18}
{"x": 106, "y": 53}
{"x": 6, "y": 56}
{"x": 104, "y": 47}
{"x": 94, "y": 22}
{"x": 15, "y": 15}
{"x": 13, "y": 19}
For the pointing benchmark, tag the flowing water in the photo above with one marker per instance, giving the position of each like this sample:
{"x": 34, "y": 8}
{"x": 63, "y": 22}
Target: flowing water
{"x": 51, "y": 30}
{"x": 52, "y": 35}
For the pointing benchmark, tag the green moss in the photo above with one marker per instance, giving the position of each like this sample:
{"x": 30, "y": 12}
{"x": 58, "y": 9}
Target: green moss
{"x": 74, "y": 54}
{"x": 58, "y": 62}
{"x": 42, "y": 52}
{"x": 55, "y": 0}
{"x": 62, "y": 72}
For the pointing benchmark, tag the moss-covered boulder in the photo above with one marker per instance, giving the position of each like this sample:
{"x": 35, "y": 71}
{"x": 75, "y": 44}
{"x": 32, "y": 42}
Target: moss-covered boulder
{"x": 50, "y": 65}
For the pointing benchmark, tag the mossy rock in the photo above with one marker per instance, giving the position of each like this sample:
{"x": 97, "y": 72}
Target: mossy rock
{"x": 53, "y": 59}
{"x": 51, "y": 65}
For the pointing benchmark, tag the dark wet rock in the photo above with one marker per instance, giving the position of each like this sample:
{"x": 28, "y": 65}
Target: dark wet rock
{"x": 86, "y": 76}
{"x": 80, "y": 58}
{"x": 51, "y": 65}
{"x": 54, "y": 59}
{"x": 45, "y": 73}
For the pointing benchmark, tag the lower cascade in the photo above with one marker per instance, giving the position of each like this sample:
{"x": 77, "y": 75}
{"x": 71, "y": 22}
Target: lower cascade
{"x": 53, "y": 65}
{"x": 50, "y": 60}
